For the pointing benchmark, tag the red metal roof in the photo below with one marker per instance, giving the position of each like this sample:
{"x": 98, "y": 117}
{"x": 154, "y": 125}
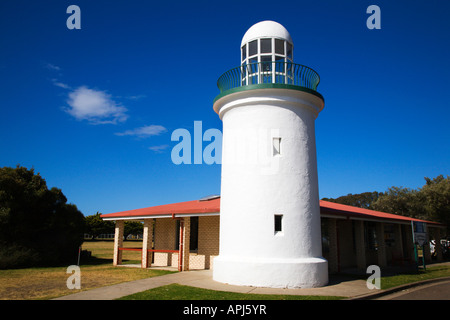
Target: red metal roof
{"x": 187, "y": 207}
{"x": 355, "y": 212}
{"x": 213, "y": 206}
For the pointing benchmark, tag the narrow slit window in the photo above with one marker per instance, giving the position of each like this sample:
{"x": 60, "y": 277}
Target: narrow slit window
{"x": 276, "y": 146}
{"x": 177, "y": 235}
{"x": 278, "y": 223}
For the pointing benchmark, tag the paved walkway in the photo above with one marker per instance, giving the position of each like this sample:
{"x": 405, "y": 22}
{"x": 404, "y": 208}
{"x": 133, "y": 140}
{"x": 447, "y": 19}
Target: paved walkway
{"x": 344, "y": 286}
{"x": 338, "y": 286}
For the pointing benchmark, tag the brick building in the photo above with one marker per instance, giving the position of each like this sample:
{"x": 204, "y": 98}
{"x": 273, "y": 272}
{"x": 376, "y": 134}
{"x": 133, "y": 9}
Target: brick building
{"x": 351, "y": 237}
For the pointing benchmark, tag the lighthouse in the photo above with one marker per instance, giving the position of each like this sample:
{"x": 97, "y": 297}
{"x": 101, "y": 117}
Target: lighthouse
{"x": 270, "y": 233}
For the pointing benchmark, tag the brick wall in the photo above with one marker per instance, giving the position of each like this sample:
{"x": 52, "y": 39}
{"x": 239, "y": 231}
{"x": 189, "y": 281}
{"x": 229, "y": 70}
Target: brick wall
{"x": 208, "y": 243}
{"x": 208, "y": 238}
{"x": 164, "y": 240}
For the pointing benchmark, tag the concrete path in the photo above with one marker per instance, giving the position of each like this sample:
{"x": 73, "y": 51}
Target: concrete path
{"x": 338, "y": 286}
{"x": 343, "y": 286}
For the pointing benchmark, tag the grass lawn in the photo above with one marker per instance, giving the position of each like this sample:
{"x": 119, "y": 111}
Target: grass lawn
{"x": 103, "y": 250}
{"x": 181, "y": 292}
{"x": 47, "y": 283}
{"x": 430, "y": 273}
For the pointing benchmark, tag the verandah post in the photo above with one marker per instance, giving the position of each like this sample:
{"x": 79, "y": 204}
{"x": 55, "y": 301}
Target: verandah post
{"x": 118, "y": 242}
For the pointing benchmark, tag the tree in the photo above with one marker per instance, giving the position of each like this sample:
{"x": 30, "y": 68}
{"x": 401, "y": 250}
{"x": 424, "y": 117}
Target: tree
{"x": 96, "y": 226}
{"x": 132, "y": 227}
{"x": 37, "y": 226}
{"x": 402, "y": 201}
{"x": 362, "y": 200}
{"x": 436, "y": 199}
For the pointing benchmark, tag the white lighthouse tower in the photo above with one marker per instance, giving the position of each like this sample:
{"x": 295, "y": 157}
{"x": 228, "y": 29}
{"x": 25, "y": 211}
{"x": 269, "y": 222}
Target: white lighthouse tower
{"x": 270, "y": 234}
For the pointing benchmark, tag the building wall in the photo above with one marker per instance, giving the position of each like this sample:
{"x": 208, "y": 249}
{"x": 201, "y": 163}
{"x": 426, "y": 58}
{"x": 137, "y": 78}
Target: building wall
{"x": 270, "y": 157}
{"x": 165, "y": 233}
{"x": 346, "y": 243}
{"x": 341, "y": 250}
{"x": 208, "y": 238}
{"x": 164, "y": 239}
{"x": 208, "y": 243}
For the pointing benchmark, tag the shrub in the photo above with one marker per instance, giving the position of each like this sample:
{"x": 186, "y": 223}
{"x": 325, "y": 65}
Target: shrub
{"x": 37, "y": 226}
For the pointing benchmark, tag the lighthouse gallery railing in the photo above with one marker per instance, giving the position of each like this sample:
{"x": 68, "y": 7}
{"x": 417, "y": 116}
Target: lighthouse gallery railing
{"x": 275, "y": 72}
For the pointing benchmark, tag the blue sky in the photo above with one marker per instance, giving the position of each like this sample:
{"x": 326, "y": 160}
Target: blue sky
{"x": 92, "y": 110}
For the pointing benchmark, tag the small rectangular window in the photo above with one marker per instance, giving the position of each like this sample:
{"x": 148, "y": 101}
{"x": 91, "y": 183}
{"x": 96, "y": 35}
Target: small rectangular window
{"x": 177, "y": 234}
{"x": 244, "y": 70}
{"x": 279, "y": 46}
{"x": 279, "y": 65}
{"x": 252, "y": 48}
{"x": 278, "y": 223}
{"x": 244, "y": 52}
{"x": 289, "y": 50}
{"x": 276, "y": 146}
{"x": 266, "y": 63}
{"x": 266, "y": 45}
{"x": 193, "y": 235}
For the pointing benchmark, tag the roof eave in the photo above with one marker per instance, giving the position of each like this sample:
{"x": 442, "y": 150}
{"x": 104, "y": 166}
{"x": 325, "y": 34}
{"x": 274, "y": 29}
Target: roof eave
{"x": 113, "y": 216}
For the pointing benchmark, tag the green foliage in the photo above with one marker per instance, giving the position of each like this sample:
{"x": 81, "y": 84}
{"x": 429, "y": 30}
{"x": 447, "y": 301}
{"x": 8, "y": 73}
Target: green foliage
{"x": 37, "y": 226}
{"x": 132, "y": 227}
{"x": 96, "y": 226}
{"x": 361, "y": 200}
{"x": 436, "y": 199}
{"x": 401, "y": 201}
{"x": 431, "y": 202}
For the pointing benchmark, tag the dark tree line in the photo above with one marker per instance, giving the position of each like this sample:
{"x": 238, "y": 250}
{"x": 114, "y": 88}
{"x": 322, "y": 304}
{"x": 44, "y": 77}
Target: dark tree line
{"x": 96, "y": 226}
{"x": 37, "y": 225}
{"x": 362, "y": 200}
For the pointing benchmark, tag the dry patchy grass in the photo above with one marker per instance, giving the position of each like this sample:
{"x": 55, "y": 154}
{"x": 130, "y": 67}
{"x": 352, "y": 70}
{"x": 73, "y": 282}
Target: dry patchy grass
{"x": 105, "y": 250}
{"x": 47, "y": 283}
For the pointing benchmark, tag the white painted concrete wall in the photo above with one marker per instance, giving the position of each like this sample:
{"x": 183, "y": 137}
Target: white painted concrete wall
{"x": 257, "y": 185}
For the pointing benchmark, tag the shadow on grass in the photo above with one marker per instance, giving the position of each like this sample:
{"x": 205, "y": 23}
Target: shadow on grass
{"x": 95, "y": 261}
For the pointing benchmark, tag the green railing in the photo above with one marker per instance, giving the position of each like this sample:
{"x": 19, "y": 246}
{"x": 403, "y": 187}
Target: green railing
{"x": 269, "y": 72}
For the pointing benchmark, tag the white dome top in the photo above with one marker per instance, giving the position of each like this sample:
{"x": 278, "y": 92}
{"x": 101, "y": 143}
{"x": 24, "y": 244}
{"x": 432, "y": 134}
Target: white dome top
{"x": 266, "y": 29}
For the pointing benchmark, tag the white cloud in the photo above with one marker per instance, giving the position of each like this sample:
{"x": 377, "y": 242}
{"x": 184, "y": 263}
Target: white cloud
{"x": 95, "y": 106}
{"x": 51, "y": 66}
{"x": 60, "y": 84}
{"x": 159, "y": 149}
{"x": 137, "y": 97}
{"x": 142, "y": 132}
